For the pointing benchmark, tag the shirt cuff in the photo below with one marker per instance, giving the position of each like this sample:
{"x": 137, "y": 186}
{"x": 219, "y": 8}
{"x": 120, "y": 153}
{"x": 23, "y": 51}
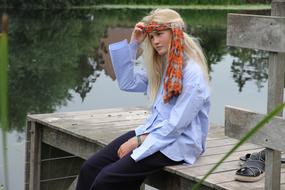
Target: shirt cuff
{"x": 139, "y": 153}
{"x": 118, "y": 45}
{"x": 134, "y": 43}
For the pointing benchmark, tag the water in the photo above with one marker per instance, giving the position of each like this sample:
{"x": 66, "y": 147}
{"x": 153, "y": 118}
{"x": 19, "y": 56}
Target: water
{"x": 58, "y": 62}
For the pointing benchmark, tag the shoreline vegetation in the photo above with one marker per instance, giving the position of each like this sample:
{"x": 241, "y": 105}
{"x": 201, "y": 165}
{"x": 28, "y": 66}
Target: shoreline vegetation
{"x": 194, "y": 7}
{"x": 178, "y": 7}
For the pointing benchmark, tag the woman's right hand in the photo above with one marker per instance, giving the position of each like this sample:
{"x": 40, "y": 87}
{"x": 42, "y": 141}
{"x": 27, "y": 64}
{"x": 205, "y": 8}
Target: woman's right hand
{"x": 138, "y": 34}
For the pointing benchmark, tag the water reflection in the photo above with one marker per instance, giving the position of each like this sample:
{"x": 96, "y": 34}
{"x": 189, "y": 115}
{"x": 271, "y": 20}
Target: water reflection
{"x": 249, "y": 65}
{"x": 56, "y": 52}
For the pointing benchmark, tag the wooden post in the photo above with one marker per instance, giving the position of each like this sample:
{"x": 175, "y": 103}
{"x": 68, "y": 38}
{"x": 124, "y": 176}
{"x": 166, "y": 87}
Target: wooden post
{"x": 275, "y": 97}
{"x": 27, "y": 160}
{"x": 35, "y": 157}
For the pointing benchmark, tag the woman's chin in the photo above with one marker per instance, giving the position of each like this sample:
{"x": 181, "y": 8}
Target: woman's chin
{"x": 161, "y": 52}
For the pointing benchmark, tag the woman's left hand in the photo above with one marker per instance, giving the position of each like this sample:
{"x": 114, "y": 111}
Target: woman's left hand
{"x": 127, "y": 147}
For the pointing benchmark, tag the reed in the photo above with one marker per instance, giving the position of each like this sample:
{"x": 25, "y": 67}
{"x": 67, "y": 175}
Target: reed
{"x": 4, "y": 95}
{"x": 3, "y": 74}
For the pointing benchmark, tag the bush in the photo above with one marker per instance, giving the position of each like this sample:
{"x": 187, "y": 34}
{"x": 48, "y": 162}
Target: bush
{"x": 69, "y": 3}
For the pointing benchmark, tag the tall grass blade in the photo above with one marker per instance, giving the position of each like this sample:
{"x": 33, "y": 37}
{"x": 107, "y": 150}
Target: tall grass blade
{"x": 4, "y": 75}
{"x": 4, "y": 94}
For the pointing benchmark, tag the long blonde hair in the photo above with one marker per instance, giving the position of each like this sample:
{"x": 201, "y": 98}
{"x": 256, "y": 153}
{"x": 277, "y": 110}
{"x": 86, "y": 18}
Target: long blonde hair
{"x": 153, "y": 60}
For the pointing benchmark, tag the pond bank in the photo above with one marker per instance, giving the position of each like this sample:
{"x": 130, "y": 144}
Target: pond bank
{"x": 193, "y": 7}
{"x": 177, "y": 7}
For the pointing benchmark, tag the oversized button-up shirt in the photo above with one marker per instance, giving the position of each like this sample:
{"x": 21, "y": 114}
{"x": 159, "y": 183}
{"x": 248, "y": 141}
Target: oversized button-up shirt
{"x": 177, "y": 129}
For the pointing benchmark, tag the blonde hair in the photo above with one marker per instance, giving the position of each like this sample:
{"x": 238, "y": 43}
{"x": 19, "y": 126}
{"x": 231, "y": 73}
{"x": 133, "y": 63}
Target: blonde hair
{"x": 153, "y": 60}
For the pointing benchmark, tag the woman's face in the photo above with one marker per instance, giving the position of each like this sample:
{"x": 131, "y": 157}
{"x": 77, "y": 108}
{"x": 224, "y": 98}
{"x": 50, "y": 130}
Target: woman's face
{"x": 160, "y": 41}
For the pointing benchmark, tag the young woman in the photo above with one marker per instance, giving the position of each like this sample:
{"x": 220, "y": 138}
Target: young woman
{"x": 176, "y": 82}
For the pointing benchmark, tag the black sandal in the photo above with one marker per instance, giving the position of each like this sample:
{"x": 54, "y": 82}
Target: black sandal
{"x": 253, "y": 168}
{"x": 247, "y": 156}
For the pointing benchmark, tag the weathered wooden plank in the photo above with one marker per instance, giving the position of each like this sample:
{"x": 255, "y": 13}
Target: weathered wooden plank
{"x": 50, "y": 152}
{"x": 237, "y": 185}
{"x": 282, "y": 187}
{"x": 60, "y": 167}
{"x": 164, "y": 180}
{"x": 225, "y": 149}
{"x": 99, "y": 121}
{"x": 71, "y": 144}
{"x": 69, "y": 138}
{"x": 193, "y": 172}
{"x": 240, "y": 121}
{"x": 256, "y": 32}
{"x": 207, "y": 160}
{"x": 213, "y": 159}
{"x": 57, "y": 184}
{"x": 278, "y": 9}
{"x": 27, "y": 155}
{"x": 96, "y": 114}
{"x": 220, "y": 142}
{"x": 275, "y": 84}
{"x": 35, "y": 157}
{"x": 221, "y": 177}
{"x": 275, "y": 97}
{"x": 229, "y": 176}
{"x": 272, "y": 168}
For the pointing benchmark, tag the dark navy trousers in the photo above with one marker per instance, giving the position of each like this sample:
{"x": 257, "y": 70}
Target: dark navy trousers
{"x": 106, "y": 171}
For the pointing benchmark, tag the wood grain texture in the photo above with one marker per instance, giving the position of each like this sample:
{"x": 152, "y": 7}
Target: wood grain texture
{"x": 256, "y": 32}
{"x": 35, "y": 157}
{"x": 83, "y": 139}
{"x": 239, "y": 121}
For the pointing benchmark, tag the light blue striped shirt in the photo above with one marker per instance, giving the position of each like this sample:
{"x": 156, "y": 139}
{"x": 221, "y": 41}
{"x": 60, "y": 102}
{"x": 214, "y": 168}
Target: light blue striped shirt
{"x": 179, "y": 128}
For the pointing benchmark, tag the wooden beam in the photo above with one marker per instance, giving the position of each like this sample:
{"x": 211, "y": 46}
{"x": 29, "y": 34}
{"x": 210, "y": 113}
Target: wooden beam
{"x": 57, "y": 184}
{"x": 69, "y": 143}
{"x": 35, "y": 157}
{"x": 256, "y": 32}
{"x": 27, "y": 154}
{"x": 60, "y": 167}
{"x": 239, "y": 121}
{"x": 275, "y": 80}
{"x": 274, "y": 98}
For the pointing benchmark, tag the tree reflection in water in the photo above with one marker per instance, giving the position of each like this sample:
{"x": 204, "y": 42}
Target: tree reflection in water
{"x": 54, "y": 53}
{"x": 249, "y": 65}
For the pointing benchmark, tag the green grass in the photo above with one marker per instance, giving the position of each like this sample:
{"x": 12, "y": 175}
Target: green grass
{"x": 4, "y": 95}
{"x": 193, "y": 7}
{"x": 3, "y": 80}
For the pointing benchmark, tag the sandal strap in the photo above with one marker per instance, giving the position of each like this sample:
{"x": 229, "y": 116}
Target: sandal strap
{"x": 255, "y": 163}
{"x": 258, "y": 155}
{"x": 254, "y": 173}
{"x": 251, "y": 168}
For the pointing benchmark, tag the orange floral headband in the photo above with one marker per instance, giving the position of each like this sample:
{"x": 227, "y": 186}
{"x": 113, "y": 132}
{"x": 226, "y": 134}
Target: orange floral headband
{"x": 173, "y": 79}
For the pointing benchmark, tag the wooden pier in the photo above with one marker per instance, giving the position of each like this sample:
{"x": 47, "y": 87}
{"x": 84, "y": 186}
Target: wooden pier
{"x": 58, "y": 143}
